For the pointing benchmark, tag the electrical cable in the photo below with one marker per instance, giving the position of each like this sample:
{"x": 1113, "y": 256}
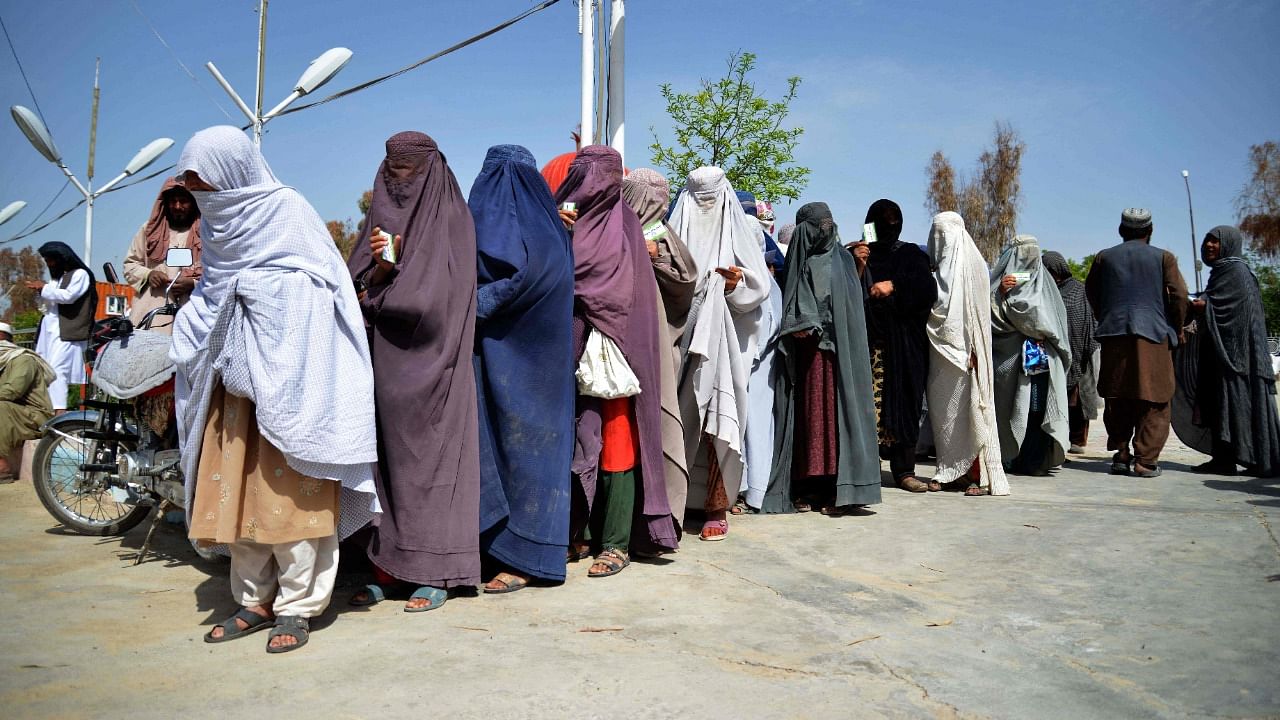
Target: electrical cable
{"x": 14, "y": 50}
{"x": 177, "y": 59}
{"x": 471, "y": 40}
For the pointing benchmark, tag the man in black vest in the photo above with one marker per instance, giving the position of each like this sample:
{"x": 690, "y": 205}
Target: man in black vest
{"x": 1140, "y": 300}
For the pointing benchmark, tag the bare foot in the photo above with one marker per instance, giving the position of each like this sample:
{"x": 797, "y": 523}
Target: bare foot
{"x": 262, "y": 610}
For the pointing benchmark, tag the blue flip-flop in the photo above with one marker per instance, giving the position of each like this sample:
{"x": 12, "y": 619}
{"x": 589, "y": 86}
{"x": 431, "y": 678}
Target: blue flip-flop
{"x": 375, "y": 596}
{"x": 437, "y": 596}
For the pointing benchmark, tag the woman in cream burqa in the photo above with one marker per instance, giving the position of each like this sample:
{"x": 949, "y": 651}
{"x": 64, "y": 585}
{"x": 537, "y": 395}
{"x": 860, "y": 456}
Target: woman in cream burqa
{"x": 421, "y": 313}
{"x": 823, "y": 404}
{"x": 273, "y": 390}
{"x": 1234, "y": 395}
{"x": 961, "y": 391}
{"x": 648, "y": 193}
{"x": 1031, "y": 348}
{"x": 722, "y": 339}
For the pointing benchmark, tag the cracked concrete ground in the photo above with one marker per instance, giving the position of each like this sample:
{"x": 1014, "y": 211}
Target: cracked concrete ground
{"x": 1080, "y": 596}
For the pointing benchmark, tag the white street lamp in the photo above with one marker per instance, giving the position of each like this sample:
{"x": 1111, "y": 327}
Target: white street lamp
{"x": 320, "y": 71}
{"x": 42, "y": 141}
{"x": 10, "y": 210}
{"x": 1195, "y": 251}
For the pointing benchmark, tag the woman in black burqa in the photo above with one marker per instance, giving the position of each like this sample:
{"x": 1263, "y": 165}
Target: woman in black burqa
{"x": 901, "y": 291}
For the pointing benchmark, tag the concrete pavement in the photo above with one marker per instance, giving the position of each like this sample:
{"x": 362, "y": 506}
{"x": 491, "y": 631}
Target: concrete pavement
{"x": 1082, "y": 595}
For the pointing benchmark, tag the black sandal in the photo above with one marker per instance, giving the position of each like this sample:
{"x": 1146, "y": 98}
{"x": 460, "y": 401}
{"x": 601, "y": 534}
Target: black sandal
{"x": 231, "y": 631}
{"x": 295, "y": 627}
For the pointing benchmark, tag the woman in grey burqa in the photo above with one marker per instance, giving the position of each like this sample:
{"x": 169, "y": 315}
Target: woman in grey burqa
{"x": 823, "y": 406}
{"x": 1235, "y": 396}
{"x": 421, "y": 314}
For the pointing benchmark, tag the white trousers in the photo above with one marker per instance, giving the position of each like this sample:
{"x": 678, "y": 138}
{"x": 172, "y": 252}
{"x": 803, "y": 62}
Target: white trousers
{"x": 292, "y": 578}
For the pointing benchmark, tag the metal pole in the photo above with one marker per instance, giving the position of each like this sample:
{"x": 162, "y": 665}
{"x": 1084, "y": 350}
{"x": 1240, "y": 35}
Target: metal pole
{"x": 586, "y": 28}
{"x": 88, "y": 226}
{"x": 262, "y": 62}
{"x": 617, "y": 81}
{"x": 1195, "y": 251}
{"x": 93, "y": 118}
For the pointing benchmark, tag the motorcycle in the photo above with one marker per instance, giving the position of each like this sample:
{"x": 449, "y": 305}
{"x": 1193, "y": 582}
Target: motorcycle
{"x": 102, "y": 469}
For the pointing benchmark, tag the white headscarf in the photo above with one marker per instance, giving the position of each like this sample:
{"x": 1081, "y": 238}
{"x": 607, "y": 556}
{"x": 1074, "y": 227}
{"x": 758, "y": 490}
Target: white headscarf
{"x": 275, "y": 317}
{"x": 723, "y": 328}
{"x": 962, "y": 399}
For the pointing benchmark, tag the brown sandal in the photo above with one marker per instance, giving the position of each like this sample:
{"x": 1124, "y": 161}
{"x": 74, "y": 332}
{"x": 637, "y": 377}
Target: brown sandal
{"x": 976, "y": 490}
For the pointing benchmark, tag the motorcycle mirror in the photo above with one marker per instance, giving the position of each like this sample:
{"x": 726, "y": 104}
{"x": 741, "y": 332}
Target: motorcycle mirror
{"x": 109, "y": 272}
{"x": 179, "y": 258}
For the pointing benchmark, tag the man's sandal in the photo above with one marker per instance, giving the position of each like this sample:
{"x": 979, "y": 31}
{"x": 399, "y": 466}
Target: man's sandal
{"x": 578, "y": 552}
{"x": 293, "y": 626}
{"x": 231, "y": 631}
{"x": 1120, "y": 466}
{"x": 614, "y": 559}
{"x": 434, "y": 596}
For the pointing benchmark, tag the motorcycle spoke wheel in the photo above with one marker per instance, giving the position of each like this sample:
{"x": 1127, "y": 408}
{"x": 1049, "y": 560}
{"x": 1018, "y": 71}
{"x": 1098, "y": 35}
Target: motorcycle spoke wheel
{"x": 81, "y": 500}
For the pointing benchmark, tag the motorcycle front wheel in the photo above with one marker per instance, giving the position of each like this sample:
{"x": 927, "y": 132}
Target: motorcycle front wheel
{"x": 80, "y": 500}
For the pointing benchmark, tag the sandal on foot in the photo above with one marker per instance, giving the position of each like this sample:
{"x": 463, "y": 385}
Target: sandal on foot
{"x": 1119, "y": 465}
{"x": 722, "y": 525}
{"x": 933, "y": 485}
{"x": 842, "y": 510}
{"x": 433, "y": 595}
{"x": 373, "y": 594}
{"x": 911, "y": 483}
{"x": 295, "y": 627}
{"x": 976, "y": 490}
{"x": 509, "y": 581}
{"x": 739, "y": 508}
{"x": 1143, "y": 471}
{"x": 231, "y": 631}
{"x": 615, "y": 559}
{"x": 802, "y": 505}
{"x": 578, "y": 552}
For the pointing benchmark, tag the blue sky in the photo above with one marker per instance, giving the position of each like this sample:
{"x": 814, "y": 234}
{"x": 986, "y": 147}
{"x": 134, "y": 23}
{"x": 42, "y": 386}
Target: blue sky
{"x": 1113, "y": 99}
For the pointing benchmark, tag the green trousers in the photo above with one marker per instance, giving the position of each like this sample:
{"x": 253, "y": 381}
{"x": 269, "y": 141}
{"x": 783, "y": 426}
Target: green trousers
{"x": 613, "y": 511}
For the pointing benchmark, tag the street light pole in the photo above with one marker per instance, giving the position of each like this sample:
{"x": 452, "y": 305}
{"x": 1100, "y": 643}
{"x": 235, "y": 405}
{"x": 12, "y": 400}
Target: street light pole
{"x": 617, "y": 82}
{"x": 38, "y": 135}
{"x": 262, "y": 66}
{"x": 1195, "y": 251}
{"x": 586, "y": 28}
{"x": 320, "y": 71}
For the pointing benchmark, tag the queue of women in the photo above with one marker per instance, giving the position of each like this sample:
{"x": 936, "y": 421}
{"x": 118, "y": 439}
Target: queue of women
{"x": 550, "y": 370}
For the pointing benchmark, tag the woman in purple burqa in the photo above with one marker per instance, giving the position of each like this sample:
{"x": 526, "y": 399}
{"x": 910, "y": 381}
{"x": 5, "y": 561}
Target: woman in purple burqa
{"x": 421, "y": 314}
{"x": 616, "y": 294}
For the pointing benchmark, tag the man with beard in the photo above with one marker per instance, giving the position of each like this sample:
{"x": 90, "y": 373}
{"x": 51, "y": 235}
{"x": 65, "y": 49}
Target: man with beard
{"x": 174, "y": 223}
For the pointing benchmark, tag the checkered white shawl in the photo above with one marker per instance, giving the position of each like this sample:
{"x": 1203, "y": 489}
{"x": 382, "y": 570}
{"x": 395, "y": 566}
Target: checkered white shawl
{"x": 275, "y": 317}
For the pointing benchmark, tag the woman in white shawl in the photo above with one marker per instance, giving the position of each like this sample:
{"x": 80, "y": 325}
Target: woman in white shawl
{"x": 960, "y": 388}
{"x": 1030, "y": 345}
{"x": 760, "y": 423}
{"x": 721, "y": 337}
{"x": 275, "y": 392}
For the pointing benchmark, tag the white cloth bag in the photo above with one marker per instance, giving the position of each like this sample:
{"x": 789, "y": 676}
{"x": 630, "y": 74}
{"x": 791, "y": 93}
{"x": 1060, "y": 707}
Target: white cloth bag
{"x": 603, "y": 372}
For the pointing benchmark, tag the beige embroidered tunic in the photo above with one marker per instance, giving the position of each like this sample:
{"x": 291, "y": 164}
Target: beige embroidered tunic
{"x": 246, "y": 491}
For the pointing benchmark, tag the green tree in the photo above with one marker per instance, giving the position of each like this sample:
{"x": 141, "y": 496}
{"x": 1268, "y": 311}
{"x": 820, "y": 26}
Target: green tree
{"x": 1080, "y": 270}
{"x": 346, "y": 232}
{"x": 725, "y": 123}
{"x": 15, "y": 298}
{"x": 1268, "y": 275}
{"x": 989, "y": 199}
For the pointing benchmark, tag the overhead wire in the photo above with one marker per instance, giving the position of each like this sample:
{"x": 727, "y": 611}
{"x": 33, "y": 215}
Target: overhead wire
{"x": 336, "y": 96}
{"x": 178, "y": 60}
{"x": 413, "y": 66}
